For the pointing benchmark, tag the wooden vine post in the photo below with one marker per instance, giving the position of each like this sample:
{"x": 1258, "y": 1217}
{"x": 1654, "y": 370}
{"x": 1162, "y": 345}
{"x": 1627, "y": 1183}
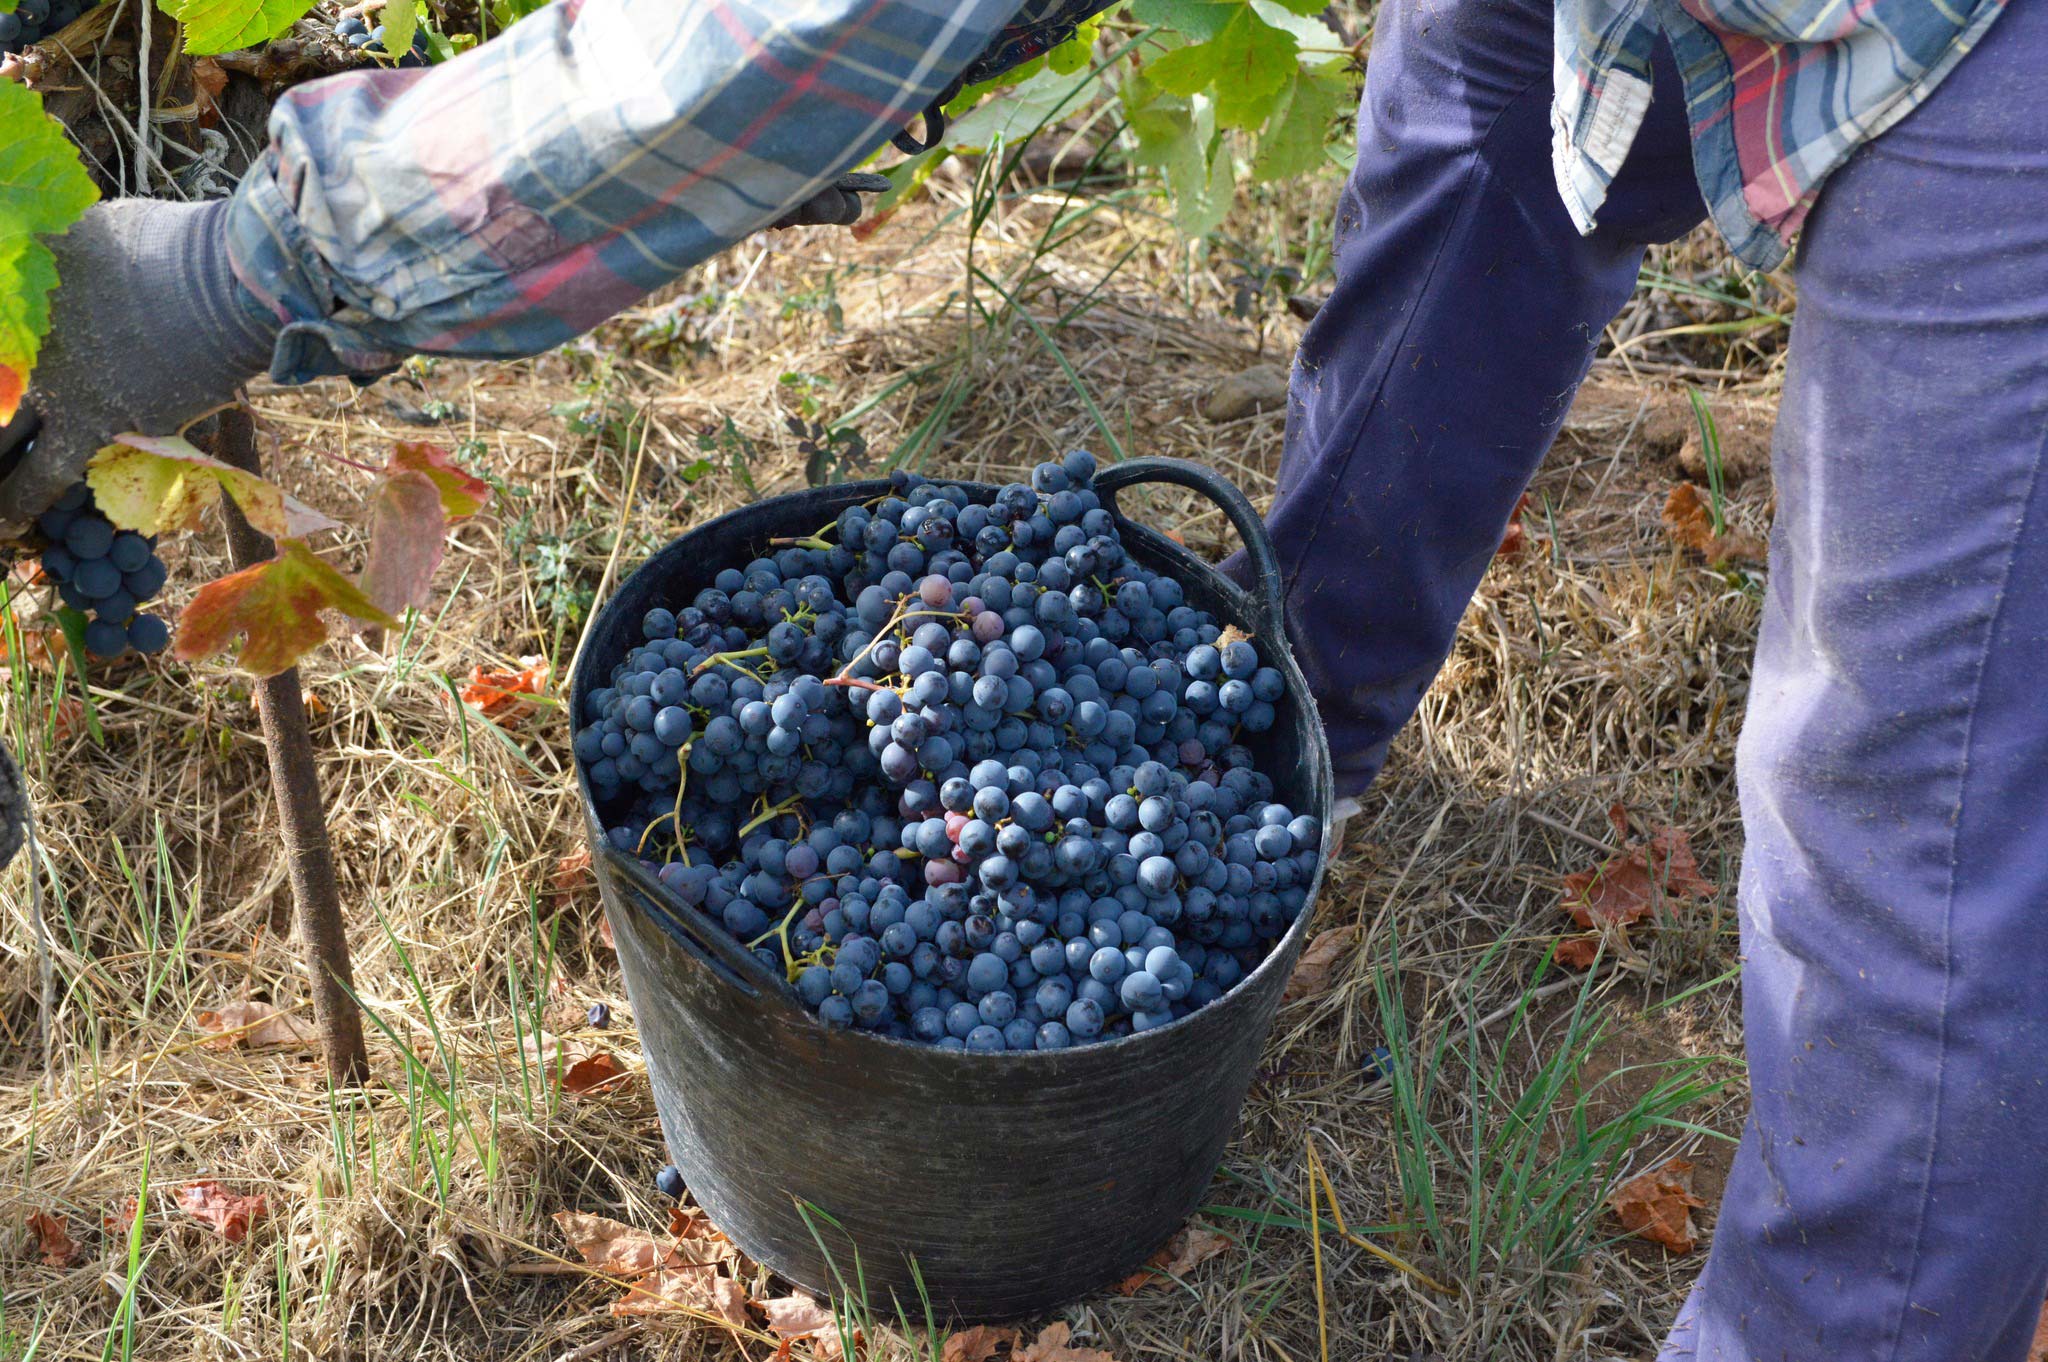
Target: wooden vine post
{"x": 295, "y": 781}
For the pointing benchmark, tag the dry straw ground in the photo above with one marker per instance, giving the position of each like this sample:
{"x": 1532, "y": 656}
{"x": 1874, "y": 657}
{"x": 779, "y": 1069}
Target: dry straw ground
{"x": 1599, "y": 664}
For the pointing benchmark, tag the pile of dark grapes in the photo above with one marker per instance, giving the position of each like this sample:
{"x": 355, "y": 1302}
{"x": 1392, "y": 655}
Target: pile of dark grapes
{"x": 33, "y": 20}
{"x": 106, "y": 572}
{"x": 963, "y": 773}
{"x": 362, "y": 38}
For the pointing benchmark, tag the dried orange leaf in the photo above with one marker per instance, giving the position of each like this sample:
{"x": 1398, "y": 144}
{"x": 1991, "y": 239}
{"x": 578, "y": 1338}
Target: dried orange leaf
{"x": 571, "y": 875}
{"x": 604, "y": 930}
{"x": 980, "y": 1343}
{"x": 1318, "y": 962}
{"x": 1191, "y": 1246}
{"x": 52, "y": 1241}
{"x": 228, "y": 1212}
{"x": 1514, "y": 539}
{"x": 277, "y": 605}
{"x": 1658, "y": 1206}
{"x": 612, "y": 1246}
{"x": 407, "y": 536}
{"x": 1051, "y": 1345}
{"x": 2038, "y": 1351}
{"x": 595, "y": 1074}
{"x": 255, "y": 1025}
{"x": 1689, "y": 520}
{"x": 797, "y": 1317}
{"x": 698, "y": 1290}
{"x": 461, "y": 495}
{"x": 501, "y": 695}
{"x": 151, "y": 484}
{"x": 1630, "y": 886}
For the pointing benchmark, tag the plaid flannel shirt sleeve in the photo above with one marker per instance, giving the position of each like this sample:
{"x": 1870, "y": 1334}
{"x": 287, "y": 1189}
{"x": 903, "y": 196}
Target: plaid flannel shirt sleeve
{"x": 506, "y": 201}
{"x": 1778, "y": 92}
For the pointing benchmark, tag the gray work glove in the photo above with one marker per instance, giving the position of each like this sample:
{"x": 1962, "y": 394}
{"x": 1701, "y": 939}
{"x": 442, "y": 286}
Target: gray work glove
{"x": 149, "y": 330}
{"x": 837, "y": 205}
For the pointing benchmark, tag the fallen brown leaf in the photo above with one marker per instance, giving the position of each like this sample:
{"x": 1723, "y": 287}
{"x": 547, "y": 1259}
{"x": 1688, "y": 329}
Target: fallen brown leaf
{"x": 1514, "y": 539}
{"x": 604, "y": 931}
{"x": 571, "y": 876}
{"x": 53, "y": 1242}
{"x": 1190, "y": 1246}
{"x": 793, "y": 1317}
{"x": 122, "y": 1223}
{"x": 1689, "y": 519}
{"x": 1311, "y": 977}
{"x": 255, "y": 1025}
{"x": 2038, "y": 1352}
{"x": 1658, "y": 1206}
{"x": 595, "y": 1074}
{"x": 1578, "y": 952}
{"x": 1629, "y": 886}
{"x": 980, "y": 1343}
{"x": 701, "y": 1290}
{"x": 1232, "y": 634}
{"x": 1051, "y": 1346}
{"x": 231, "y": 1213}
{"x": 614, "y": 1247}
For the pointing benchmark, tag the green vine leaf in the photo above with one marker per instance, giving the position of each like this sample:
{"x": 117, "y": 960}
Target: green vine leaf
{"x": 228, "y": 25}
{"x": 43, "y": 189}
{"x": 1295, "y": 142}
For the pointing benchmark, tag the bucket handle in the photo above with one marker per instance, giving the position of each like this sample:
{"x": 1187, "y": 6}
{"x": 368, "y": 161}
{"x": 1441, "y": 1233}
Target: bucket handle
{"x": 1268, "y": 619}
{"x": 691, "y": 929}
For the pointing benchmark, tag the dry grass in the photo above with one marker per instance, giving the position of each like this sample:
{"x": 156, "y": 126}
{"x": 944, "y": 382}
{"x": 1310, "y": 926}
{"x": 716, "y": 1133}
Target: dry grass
{"x": 1597, "y": 666}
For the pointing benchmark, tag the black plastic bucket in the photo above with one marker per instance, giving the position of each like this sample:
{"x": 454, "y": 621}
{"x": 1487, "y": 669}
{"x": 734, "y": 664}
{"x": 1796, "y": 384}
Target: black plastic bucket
{"x": 1014, "y": 1181}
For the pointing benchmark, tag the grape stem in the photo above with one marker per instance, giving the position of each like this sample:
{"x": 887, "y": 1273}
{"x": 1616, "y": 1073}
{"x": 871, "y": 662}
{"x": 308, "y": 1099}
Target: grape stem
{"x": 730, "y": 660}
{"x": 773, "y": 811}
{"x": 682, "y": 783}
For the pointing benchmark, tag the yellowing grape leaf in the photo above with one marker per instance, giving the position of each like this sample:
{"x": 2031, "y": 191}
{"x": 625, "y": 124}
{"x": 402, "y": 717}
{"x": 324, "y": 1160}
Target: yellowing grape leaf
{"x": 43, "y": 189}
{"x": 213, "y": 26}
{"x": 462, "y": 495}
{"x": 277, "y": 605}
{"x": 152, "y": 484}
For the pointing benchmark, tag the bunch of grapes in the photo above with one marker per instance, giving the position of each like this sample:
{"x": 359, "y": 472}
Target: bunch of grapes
{"x": 362, "y": 38}
{"x": 32, "y": 20}
{"x": 962, "y": 772}
{"x": 106, "y": 572}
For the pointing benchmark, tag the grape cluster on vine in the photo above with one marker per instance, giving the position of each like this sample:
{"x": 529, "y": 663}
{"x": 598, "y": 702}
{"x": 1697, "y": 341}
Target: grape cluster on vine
{"x": 33, "y": 20}
{"x": 104, "y": 572}
{"x": 964, "y": 773}
{"x": 361, "y": 37}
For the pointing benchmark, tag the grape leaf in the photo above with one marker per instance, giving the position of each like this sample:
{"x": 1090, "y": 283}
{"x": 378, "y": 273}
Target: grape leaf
{"x": 1197, "y": 20}
{"x": 277, "y": 605}
{"x": 1187, "y": 70}
{"x": 1015, "y": 114}
{"x": 214, "y": 26}
{"x": 1292, "y": 144}
{"x": 462, "y": 496}
{"x": 1318, "y": 45}
{"x": 401, "y": 19}
{"x": 43, "y": 189}
{"x": 151, "y": 484}
{"x": 1254, "y": 61}
{"x": 1076, "y": 53}
{"x": 1307, "y": 9}
{"x": 407, "y": 536}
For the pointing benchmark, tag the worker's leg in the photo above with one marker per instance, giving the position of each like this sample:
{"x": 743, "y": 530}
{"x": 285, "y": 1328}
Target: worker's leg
{"x": 1888, "y": 1199}
{"x": 1466, "y": 310}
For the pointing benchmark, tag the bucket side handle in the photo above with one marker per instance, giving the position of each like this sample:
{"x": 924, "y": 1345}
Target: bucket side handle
{"x": 707, "y": 941}
{"x": 1265, "y": 595}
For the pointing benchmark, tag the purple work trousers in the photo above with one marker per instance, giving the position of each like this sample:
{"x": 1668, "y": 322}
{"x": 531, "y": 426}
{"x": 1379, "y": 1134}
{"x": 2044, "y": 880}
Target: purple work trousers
{"x": 1890, "y": 1197}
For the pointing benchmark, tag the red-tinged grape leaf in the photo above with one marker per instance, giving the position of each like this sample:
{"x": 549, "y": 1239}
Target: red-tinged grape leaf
{"x": 702, "y": 1291}
{"x": 1313, "y": 971}
{"x": 53, "y": 1241}
{"x": 254, "y": 1025}
{"x": 276, "y": 605}
{"x": 1658, "y": 1206}
{"x": 980, "y": 1343}
{"x": 462, "y": 495}
{"x": 1052, "y": 1345}
{"x": 407, "y": 536}
{"x": 598, "y": 1073}
{"x": 213, "y": 26}
{"x": 152, "y": 484}
{"x": 1632, "y": 885}
{"x": 614, "y": 1247}
{"x": 43, "y": 189}
{"x": 1191, "y": 1246}
{"x": 228, "y": 1212}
